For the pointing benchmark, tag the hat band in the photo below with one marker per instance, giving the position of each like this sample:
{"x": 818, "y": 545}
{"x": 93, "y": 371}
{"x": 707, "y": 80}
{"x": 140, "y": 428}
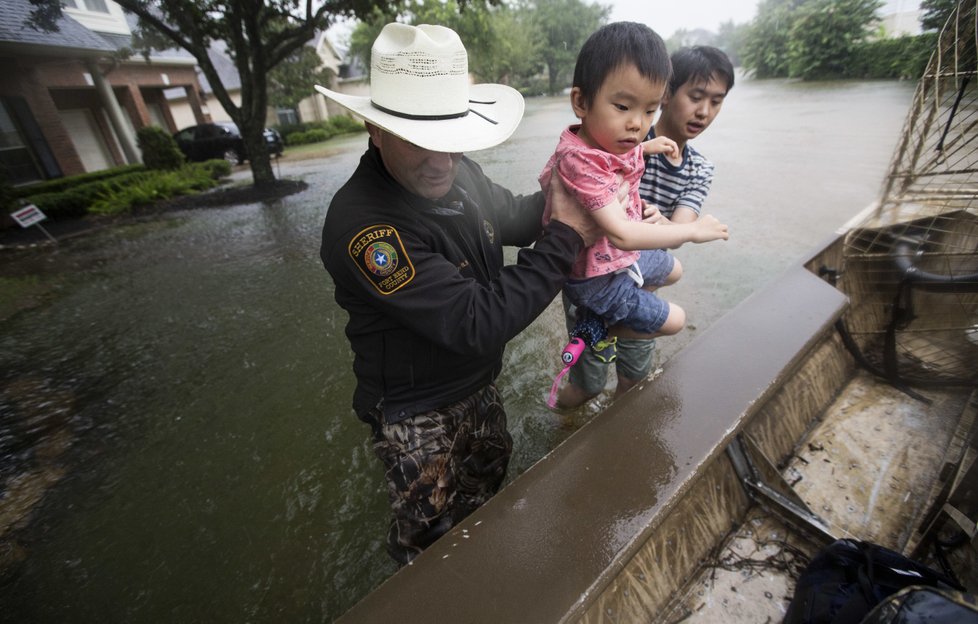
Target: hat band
{"x": 412, "y": 116}
{"x": 434, "y": 117}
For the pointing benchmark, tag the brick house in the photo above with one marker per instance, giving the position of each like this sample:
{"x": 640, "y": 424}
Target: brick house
{"x": 69, "y": 105}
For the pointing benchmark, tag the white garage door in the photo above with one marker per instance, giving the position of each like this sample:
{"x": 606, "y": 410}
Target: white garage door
{"x": 85, "y": 134}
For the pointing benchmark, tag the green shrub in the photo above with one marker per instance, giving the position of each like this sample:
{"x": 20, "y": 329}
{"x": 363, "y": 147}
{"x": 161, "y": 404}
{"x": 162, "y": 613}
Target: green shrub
{"x": 60, "y": 184}
{"x": 62, "y": 204}
{"x": 317, "y": 135}
{"x": 316, "y": 131}
{"x": 902, "y": 58}
{"x": 217, "y": 168}
{"x": 157, "y": 186}
{"x": 314, "y": 135}
{"x": 75, "y": 202}
{"x": 344, "y": 124}
{"x": 122, "y": 192}
{"x": 159, "y": 149}
{"x": 302, "y": 126}
{"x": 295, "y": 137}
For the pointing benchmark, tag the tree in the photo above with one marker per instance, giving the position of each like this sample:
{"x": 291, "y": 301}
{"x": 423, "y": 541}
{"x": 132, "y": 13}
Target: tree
{"x": 677, "y": 40}
{"x": 473, "y": 22}
{"x": 515, "y": 57}
{"x": 292, "y": 81}
{"x": 808, "y": 39}
{"x": 520, "y": 60}
{"x": 935, "y": 13}
{"x": 765, "y": 48}
{"x": 730, "y": 39}
{"x": 160, "y": 150}
{"x": 562, "y": 27}
{"x": 825, "y": 34}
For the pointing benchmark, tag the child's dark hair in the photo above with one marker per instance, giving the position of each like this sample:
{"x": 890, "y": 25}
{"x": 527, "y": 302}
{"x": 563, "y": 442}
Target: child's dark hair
{"x": 615, "y": 45}
{"x": 700, "y": 63}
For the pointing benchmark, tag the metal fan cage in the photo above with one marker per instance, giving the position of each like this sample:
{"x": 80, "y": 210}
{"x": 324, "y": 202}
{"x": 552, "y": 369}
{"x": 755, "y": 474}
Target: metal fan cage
{"x": 911, "y": 269}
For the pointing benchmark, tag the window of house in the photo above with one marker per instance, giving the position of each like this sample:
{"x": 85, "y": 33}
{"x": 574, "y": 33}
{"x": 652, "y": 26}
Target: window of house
{"x": 16, "y": 160}
{"x": 287, "y": 116}
{"x": 96, "y": 6}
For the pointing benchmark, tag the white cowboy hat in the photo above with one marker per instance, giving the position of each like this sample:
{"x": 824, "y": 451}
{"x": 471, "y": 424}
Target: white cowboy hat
{"x": 420, "y": 91}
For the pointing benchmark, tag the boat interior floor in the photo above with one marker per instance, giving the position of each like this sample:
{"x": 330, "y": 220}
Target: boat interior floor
{"x": 871, "y": 467}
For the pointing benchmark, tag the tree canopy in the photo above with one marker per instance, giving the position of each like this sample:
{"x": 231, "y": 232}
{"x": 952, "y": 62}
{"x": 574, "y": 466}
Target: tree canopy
{"x": 289, "y": 82}
{"x": 936, "y": 13}
{"x": 824, "y": 35}
{"x": 564, "y": 26}
{"x": 506, "y": 43}
{"x": 808, "y": 39}
{"x": 766, "y": 42}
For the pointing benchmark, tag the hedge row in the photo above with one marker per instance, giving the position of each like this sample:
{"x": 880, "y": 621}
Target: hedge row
{"x": 901, "y": 58}
{"x": 314, "y": 135}
{"x": 60, "y": 184}
{"x": 120, "y": 193}
{"x": 315, "y": 132}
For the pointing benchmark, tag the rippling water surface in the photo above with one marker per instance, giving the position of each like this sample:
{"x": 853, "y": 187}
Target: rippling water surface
{"x": 175, "y": 425}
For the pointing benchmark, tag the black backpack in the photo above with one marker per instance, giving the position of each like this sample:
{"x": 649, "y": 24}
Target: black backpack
{"x": 925, "y": 605}
{"x": 848, "y": 578}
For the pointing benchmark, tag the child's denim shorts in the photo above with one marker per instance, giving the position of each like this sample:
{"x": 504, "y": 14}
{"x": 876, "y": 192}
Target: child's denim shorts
{"x": 617, "y": 298}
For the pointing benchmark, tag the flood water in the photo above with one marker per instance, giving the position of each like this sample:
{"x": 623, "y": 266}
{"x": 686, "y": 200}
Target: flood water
{"x": 175, "y": 425}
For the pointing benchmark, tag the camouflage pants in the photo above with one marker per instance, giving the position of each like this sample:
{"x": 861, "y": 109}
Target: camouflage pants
{"x": 440, "y": 466}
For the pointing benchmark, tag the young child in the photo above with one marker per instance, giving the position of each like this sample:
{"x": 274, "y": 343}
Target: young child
{"x": 619, "y": 81}
{"x": 701, "y": 78}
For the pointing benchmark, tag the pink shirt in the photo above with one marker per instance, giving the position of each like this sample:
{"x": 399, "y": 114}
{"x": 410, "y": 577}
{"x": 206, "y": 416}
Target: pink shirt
{"x": 590, "y": 175}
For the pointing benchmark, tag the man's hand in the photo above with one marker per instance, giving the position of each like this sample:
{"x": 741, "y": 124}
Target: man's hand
{"x": 563, "y": 208}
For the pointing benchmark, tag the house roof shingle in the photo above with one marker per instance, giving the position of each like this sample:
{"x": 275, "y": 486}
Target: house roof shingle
{"x": 71, "y": 34}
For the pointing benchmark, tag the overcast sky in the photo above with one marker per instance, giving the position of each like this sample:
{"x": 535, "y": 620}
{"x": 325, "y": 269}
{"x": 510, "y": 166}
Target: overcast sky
{"x": 667, "y": 16}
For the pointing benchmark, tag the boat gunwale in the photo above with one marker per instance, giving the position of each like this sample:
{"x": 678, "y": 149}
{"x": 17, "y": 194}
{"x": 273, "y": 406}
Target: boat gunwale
{"x": 491, "y": 544}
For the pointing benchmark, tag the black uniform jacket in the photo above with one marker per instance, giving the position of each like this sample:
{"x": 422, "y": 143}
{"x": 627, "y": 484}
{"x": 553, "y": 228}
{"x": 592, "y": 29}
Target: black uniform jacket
{"x": 431, "y": 305}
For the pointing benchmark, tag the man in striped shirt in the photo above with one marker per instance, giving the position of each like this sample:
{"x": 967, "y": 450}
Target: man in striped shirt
{"x": 701, "y": 78}
{"x": 675, "y": 191}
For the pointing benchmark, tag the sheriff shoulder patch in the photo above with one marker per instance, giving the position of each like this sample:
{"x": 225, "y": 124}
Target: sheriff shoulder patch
{"x": 380, "y": 255}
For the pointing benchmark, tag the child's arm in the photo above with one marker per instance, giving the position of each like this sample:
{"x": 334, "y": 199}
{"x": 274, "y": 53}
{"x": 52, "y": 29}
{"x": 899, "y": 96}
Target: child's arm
{"x": 661, "y": 145}
{"x": 636, "y": 235}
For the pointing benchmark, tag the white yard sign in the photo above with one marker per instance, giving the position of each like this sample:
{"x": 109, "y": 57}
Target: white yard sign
{"x": 28, "y": 216}
{"x": 31, "y": 215}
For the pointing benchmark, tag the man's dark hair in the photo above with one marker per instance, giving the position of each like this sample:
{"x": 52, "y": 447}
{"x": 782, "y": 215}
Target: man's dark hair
{"x": 615, "y": 45}
{"x": 700, "y": 63}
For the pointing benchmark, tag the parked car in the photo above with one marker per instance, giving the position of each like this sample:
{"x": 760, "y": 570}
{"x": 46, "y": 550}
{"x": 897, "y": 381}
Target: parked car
{"x": 221, "y": 139}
